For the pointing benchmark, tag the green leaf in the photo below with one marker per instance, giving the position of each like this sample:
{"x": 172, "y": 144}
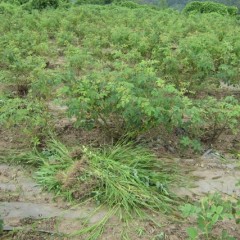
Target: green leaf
{"x": 215, "y": 218}
{"x": 201, "y": 222}
{"x": 219, "y": 210}
{"x": 192, "y": 233}
{"x": 187, "y": 210}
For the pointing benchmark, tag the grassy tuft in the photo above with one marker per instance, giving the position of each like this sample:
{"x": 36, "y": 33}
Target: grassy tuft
{"x": 132, "y": 178}
{"x": 128, "y": 179}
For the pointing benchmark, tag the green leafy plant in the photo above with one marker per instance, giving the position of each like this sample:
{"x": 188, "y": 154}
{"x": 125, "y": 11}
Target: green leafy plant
{"x": 213, "y": 117}
{"x": 31, "y": 117}
{"x": 132, "y": 101}
{"x": 194, "y": 144}
{"x": 208, "y": 212}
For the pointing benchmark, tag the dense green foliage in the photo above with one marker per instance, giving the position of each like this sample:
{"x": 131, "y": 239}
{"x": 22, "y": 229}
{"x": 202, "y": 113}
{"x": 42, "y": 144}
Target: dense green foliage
{"x": 126, "y": 69}
{"x": 41, "y": 4}
{"x": 30, "y": 117}
{"x": 209, "y": 7}
{"x": 133, "y": 100}
{"x": 35, "y": 4}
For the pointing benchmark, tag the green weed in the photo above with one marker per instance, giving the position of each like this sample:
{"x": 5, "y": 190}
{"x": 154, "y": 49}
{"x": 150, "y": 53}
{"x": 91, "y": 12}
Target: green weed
{"x": 208, "y": 212}
{"x": 127, "y": 179}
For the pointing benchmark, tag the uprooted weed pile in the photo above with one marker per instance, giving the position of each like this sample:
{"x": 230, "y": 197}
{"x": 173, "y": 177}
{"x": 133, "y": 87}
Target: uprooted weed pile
{"x": 126, "y": 178}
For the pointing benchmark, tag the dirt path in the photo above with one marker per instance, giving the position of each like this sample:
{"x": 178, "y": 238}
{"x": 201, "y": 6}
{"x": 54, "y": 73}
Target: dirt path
{"x": 213, "y": 173}
{"x": 23, "y": 202}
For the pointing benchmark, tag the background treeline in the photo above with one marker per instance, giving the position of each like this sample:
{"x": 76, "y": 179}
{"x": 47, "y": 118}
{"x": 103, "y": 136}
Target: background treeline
{"x": 182, "y": 3}
{"x": 179, "y": 5}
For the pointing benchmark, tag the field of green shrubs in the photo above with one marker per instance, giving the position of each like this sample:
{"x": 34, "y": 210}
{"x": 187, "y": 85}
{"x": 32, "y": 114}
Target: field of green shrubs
{"x": 130, "y": 71}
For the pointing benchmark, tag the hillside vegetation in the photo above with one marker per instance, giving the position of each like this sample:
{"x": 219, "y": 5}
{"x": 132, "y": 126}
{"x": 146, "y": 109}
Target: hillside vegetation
{"x": 131, "y": 69}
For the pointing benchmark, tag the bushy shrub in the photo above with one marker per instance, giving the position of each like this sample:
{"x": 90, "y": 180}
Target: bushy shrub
{"x": 135, "y": 100}
{"x": 131, "y": 101}
{"x": 209, "y": 7}
{"x": 7, "y": 8}
{"x": 30, "y": 117}
{"x": 209, "y": 118}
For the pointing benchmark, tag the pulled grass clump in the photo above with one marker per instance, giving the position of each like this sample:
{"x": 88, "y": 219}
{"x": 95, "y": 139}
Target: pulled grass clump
{"x": 130, "y": 177}
{"x": 126, "y": 178}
